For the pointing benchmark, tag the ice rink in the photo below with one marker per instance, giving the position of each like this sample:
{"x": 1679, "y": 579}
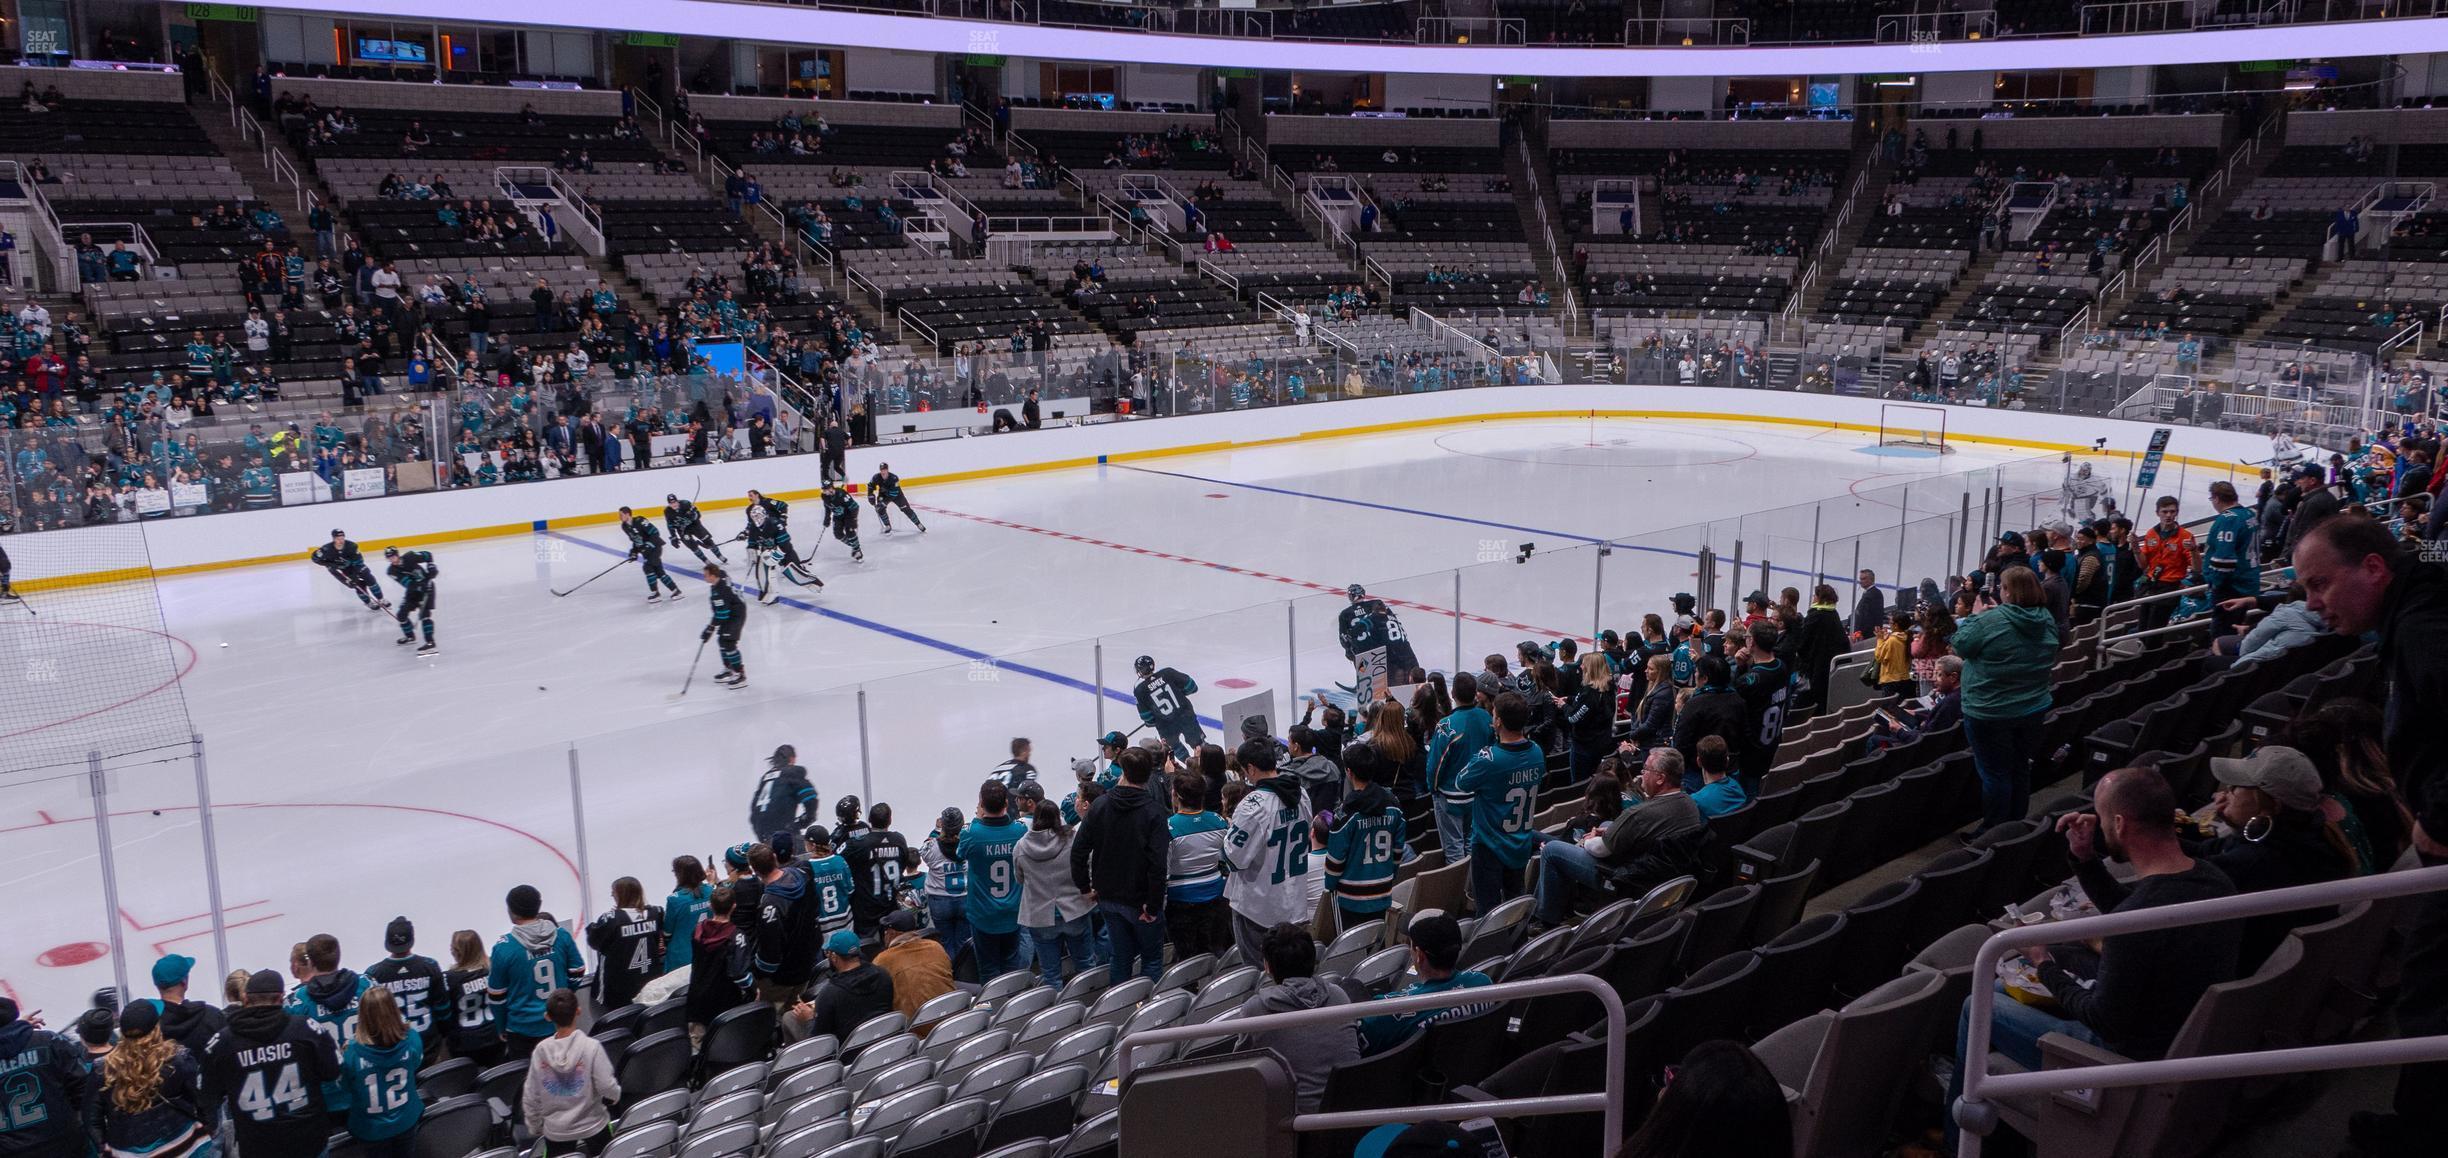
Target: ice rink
{"x": 351, "y": 780}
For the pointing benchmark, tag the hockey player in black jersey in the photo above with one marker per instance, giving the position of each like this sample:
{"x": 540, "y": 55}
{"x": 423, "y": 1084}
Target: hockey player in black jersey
{"x": 883, "y": 492}
{"x": 769, "y": 541}
{"x": 879, "y": 858}
{"x": 347, "y": 564}
{"x": 841, "y": 514}
{"x": 646, "y": 546}
{"x": 1373, "y": 640}
{"x": 7, "y": 595}
{"x": 414, "y": 571}
{"x": 687, "y": 529}
{"x": 1164, "y": 703}
{"x": 784, "y": 799}
{"x": 730, "y": 615}
{"x": 846, "y": 822}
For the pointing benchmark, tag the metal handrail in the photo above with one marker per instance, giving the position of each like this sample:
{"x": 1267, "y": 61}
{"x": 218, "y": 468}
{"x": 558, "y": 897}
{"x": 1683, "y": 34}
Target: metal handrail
{"x": 1690, "y": 32}
{"x": 1974, "y": 1112}
{"x": 250, "y": 128}
{"x": 1471, "y": 29}
{"x": 136, "y": 234}
{"x": 907, "y": 322}
{"x": 221, "y": 91}
{"x": 851, "y": 274}
{"x": 54, "y": 234}
{"x": 1608, "y": 1102}
{"x": 282, "y": 170}
{"x": 1210, "y": 269}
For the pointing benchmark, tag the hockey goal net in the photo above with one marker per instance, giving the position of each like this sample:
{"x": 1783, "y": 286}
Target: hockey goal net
{"x": 1913, "y": 428}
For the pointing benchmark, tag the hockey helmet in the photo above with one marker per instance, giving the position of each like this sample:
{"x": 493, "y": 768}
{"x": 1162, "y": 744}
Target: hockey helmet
{"x": 337, "y": 533}
{"x": 1356, "y": 592}
{"x": 669, "y": 500}
{"x": 390, "y": 552}
{"x": 1144, "y": 664}
{"x": 846, "y": 809}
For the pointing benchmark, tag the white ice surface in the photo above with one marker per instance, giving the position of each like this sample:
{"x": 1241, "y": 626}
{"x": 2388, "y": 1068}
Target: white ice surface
{"x": 352, "y": 781}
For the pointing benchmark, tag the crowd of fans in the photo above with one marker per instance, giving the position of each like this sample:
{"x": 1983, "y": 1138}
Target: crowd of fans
{"x": 1263, "y": 846}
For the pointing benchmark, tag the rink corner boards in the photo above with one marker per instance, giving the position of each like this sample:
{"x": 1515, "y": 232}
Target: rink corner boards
{"x": 1069, "y": 462}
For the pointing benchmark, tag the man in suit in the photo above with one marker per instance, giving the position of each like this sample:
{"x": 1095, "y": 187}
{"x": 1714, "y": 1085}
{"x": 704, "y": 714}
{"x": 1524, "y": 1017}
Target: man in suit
{"x": 1869, "y": 608}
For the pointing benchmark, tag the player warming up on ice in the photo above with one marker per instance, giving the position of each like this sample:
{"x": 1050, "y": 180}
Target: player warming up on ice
{"x": 768, "y": 535}
{"x": 1164, "y": 702}
{"x": 7, "y": 595}
{"x": 414, "y": 571}
{"x": 730, "y": 614}
{"x": 646, "y": 546}
{"x": 1373, "y": 640}
{"x": 687, "y": 529}
{"x": 884, "y": 490}
{"x": 841, "y": 514}
{"x": 784, "y": 799}
{"x": 346, "y": 564}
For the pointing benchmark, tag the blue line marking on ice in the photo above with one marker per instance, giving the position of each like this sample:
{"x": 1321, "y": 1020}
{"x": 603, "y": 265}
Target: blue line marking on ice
{"x": 1453, "y": 518}
{"x": 899, "y": 633}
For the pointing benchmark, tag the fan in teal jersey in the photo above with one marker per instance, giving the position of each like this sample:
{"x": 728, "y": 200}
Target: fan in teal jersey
{"x": 1461, "y": 735}
{"x": 993, "y": 903}
{"x": 1502, "y": 783}
{"x": 530, "y": 961}
{"x": 829, "y": 882}
{"x": 378, "y": 1069}
{"x": 1364, "y": 841}
{"x": 327, "y": 1002}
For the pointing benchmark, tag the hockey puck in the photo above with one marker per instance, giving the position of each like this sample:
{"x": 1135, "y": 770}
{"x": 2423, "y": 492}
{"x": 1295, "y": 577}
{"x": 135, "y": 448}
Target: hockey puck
{"x": 157, "y": 812}
{"x": 539, "y": 687}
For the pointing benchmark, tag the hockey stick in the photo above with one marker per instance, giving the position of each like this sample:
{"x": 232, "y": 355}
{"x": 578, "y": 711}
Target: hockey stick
{"x": 20, "y": 601}
{"x": 692, "y": 672}
{"x": 596, "y": 576}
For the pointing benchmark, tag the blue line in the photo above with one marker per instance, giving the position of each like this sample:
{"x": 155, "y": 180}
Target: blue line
{"x": 1453, "y": 518}
{"x": 1382, "y": 507}
{"x": 899, "y": 633}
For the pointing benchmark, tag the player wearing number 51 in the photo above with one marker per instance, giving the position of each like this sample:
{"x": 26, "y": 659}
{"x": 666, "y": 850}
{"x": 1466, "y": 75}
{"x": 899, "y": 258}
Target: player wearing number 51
{"x": 1502, "y": 782}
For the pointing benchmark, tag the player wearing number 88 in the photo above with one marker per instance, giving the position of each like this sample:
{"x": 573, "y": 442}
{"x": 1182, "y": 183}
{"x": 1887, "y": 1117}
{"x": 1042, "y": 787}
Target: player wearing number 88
{"x": 1502, "y": 782}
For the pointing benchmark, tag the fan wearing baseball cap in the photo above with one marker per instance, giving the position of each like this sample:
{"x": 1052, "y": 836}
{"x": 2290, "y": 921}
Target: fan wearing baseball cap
{"x": 920, "y": 969}
{"x": 856, "y": 991}
{"x": 2273, "y": 802}
{"x": 189, "y": 1023}
{"x": 268, "y": 1070}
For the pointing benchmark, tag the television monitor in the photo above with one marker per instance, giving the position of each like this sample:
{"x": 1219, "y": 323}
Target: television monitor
{"x": 392, "y": 51}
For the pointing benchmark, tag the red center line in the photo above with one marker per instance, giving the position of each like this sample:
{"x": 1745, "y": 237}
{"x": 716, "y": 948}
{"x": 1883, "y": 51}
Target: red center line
{"x": 1170, "y": 557}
